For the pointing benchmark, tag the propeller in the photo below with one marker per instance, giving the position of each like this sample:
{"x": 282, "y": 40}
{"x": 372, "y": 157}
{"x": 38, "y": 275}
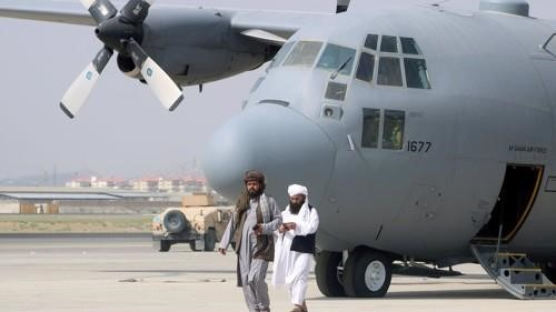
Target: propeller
{"x": 122, "y": 33}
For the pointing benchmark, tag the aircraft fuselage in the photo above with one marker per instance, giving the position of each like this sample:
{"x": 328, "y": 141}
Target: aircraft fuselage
{"x": 425, "y": 176}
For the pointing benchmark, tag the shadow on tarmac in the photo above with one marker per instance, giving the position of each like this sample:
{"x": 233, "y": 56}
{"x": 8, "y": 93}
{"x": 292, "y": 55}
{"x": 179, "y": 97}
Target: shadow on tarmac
{"x": 469, "y": 294}
{"x": 169, "y": 271}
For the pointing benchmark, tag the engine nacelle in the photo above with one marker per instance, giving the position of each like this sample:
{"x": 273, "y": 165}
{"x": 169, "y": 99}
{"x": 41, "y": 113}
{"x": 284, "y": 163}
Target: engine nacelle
{"x": 197, "y": 46}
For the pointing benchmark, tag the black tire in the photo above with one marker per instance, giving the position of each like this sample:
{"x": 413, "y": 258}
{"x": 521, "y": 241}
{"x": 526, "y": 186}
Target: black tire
{"x": 210, "y": 240}
{"x": 175, "y": 221}
{"x": 192, "y": 246}
{"x": 367, "y": 274}
{"x": 327, "y": 276}
{"x": 164, "y": 246}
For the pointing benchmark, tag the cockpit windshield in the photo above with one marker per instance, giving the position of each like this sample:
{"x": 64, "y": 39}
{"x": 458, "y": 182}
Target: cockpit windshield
{"x": 337, "y": 58}
{"x": 304, "y": 54}
{"x": 281, "y": 55}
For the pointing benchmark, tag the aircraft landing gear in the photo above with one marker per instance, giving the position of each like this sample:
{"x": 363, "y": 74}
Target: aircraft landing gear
{"x": 328, "y": 275}
{"x": 367, "y": 274}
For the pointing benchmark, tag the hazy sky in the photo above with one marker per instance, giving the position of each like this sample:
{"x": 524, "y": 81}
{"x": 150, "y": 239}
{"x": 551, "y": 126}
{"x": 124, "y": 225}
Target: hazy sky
{"x": 122, "y": 129}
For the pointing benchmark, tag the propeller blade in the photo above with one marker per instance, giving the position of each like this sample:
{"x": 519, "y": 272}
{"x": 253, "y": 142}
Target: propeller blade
{"x": 165, "y": 89}
{"x": 81, "y": 88}
{"x": 101, "y": 10}
{"x": 136, "y": 11}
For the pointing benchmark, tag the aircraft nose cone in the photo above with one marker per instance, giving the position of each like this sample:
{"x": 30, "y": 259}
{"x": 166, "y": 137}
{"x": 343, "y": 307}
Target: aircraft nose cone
{"x": 283, "y": 144}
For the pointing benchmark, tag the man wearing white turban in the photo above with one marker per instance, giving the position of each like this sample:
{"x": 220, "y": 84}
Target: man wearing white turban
{"x": 295, "y": 246}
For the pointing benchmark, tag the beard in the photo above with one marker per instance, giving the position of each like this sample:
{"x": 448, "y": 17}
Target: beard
{"x": 294, "y": 208}
{"x": 254, "y": 193}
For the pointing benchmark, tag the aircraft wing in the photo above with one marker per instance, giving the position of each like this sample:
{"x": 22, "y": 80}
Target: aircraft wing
{"x": 273, "y": 26}
{"x": 49, "y": 11}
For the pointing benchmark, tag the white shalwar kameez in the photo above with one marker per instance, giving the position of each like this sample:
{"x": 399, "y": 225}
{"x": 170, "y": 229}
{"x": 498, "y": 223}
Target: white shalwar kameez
{"x": 291, "y": 268}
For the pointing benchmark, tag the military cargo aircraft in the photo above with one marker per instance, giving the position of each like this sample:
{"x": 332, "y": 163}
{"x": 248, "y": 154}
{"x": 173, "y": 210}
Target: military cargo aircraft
{"x": 425, "y": 135}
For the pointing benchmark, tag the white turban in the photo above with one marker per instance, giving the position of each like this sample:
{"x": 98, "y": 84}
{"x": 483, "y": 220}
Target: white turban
{"x": 296, "y": 189}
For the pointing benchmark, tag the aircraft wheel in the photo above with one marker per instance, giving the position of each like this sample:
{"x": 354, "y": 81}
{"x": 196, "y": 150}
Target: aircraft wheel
{"x": 367, "y": 274}
{"x": 328, "y": 277}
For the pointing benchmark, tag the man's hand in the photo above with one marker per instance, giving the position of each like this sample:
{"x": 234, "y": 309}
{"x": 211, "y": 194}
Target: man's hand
{"x": 222, "y": 251}
{"x": 282, "y": 229}
{"x": 290, "y": 226}
{"x": 258, "y": 229}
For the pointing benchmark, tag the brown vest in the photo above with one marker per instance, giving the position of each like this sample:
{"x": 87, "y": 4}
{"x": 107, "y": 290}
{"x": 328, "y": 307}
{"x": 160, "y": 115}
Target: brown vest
{"x": 265, "y": 243}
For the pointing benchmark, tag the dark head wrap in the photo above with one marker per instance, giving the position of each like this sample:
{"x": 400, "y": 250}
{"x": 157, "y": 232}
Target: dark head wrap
{"x": 253, "y": 175}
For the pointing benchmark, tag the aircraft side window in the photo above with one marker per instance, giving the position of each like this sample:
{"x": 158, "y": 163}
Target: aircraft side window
{"x": 390, "y": 72}
{"x": 371, "y": 42}
{"x": 336, "y": 57}
{"x": 394, "y": 123}
{"x": 281, "y": 55}
{"x": 389, "y": 44}
{"x": 371, "y": 124}
{"x": 416, "y": 73}
{"x": 409, "y": 46}
{"x": 336, "y": 91}
{"x": 366, "y": 67}
{"x": 304, "y": 54}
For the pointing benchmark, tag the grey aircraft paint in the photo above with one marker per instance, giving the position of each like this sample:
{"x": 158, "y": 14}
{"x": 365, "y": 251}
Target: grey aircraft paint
{"x": 469, "y": 116}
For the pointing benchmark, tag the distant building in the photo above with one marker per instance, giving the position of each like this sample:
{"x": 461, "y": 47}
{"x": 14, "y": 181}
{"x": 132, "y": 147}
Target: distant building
{"x": 188, "y": 184}
{"x": 171, "y": 185}
{"x": 146, "y": 185}
{"x": 45, "y": 200}
{"x": 79, "y": 183}
{"x": 99, "y": 183}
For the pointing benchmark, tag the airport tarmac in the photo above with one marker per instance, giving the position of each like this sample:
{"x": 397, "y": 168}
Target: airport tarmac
{"x": 124, "y": 273}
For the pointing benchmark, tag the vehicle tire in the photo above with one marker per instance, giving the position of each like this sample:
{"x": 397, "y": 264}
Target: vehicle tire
{"x": 549, "y": 270}
{"x": 367, "y": 274}
{"x": 164, "y": 246}
{"x": 175, "y": 221}
{"x": 210, "y": 240}
{"x": 326, "y": 271}
{"x": 192, "y": 246}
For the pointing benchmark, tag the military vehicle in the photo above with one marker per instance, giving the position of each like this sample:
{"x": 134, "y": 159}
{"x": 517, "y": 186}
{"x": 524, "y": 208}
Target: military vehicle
{"x": 199, "y": 222}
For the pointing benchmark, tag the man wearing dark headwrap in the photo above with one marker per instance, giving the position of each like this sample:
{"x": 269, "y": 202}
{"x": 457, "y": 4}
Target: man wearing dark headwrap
{"x": 253, "y": 222}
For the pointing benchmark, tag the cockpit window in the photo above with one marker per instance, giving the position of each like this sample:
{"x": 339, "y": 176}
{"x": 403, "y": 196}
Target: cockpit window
{"x": 337, "y": 58}
{"x": 416, "y": 73}
{"x": 304, "y": 54}
{"x": 371, "y": 124}
{"x": 281, "y": 55}
{"x": 389, "y": 72}
{"x": 371, "y": 42}
{"x": 409, "y": 46}
{"x": 366, "y": 67}
{"x": 400, "y": 62}
{"x": 394, "y": 123}
{"x": 336, "y": 91}
{"x": 389, "y": 44}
